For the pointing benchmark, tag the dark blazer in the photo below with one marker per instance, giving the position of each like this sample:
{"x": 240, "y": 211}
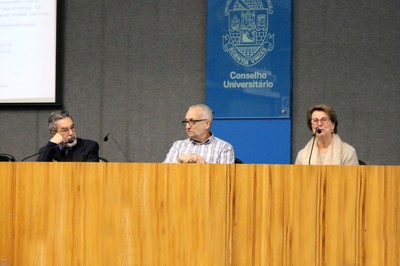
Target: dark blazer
{"x": 85, "y": 150}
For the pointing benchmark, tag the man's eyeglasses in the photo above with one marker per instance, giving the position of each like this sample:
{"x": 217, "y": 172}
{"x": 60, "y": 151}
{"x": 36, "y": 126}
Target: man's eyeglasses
{"x": 66, "y": 130}
{"x": 191, "y": 122}
{"x": 323, "y": 120}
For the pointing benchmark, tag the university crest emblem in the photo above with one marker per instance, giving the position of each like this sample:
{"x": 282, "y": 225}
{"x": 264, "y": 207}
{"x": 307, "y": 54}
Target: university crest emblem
{"x": 248, "y": 40}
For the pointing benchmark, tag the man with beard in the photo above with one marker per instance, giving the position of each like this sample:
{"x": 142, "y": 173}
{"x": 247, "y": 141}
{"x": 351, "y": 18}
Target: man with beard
{"x": 64, "y": 145}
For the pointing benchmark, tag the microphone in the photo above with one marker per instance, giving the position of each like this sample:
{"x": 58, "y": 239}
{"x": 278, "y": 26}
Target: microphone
{"x": 105, "y": 139}
{"x": 70, "y": 140}
{"x": 317, "y": 130}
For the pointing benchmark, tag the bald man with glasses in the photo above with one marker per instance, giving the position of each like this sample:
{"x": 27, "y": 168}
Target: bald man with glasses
{"x": 201, "y": 146}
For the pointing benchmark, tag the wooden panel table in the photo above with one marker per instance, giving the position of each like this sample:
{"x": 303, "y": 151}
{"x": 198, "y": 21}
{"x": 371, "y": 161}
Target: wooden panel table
{"x": 171, "y": 214}
{"x": 7, "y": 212}
{"x": 316, "y": 215}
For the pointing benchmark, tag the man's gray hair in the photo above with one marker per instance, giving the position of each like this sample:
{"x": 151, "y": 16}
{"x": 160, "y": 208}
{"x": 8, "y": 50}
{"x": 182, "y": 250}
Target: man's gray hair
{"x": 55, "y": 116}
{"x": 205, "y": 110}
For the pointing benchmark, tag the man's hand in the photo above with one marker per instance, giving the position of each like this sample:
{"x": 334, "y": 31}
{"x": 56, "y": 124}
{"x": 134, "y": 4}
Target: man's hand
{"x": 191, "y": 158}
{"x": 57, "y": 138}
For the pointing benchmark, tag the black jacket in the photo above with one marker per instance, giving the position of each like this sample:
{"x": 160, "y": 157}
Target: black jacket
{"x": 85, "y": 150}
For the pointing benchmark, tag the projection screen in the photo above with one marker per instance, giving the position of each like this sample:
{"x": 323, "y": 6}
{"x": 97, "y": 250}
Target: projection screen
{"x": 29, "y": 54}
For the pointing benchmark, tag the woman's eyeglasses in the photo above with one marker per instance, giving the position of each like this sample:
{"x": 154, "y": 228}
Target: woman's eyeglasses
{"x": 323, "y": 120}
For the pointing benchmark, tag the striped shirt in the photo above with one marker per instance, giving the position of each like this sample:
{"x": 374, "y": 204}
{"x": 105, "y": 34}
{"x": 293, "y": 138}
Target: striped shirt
{"x": 213, "y": 150}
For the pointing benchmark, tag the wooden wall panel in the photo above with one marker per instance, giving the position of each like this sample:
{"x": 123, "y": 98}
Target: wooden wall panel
{"x": 313, "y": 215}
{"x": 121, "y": 214}
{"x": 275, "y": 214}
{"x": 7, "y": 204}
{"x": 171, "y": 214}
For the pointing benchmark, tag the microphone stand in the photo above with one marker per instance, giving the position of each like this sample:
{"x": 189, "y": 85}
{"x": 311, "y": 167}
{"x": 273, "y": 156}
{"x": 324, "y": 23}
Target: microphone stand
{"x": 46, "y": 150}
{"x": 312, "y": 148}
{"x": 105, "y": 139}
{"x": 317, "y": 130}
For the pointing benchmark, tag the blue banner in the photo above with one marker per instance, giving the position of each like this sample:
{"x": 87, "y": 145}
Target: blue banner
{"x": 249, "y": 49}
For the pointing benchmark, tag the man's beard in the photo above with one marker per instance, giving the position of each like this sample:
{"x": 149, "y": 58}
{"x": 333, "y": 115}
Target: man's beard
{"x": 72, "y": 144}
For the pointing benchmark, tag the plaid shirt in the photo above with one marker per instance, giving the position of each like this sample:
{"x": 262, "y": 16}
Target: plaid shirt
{"x": 213, "y": 150}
